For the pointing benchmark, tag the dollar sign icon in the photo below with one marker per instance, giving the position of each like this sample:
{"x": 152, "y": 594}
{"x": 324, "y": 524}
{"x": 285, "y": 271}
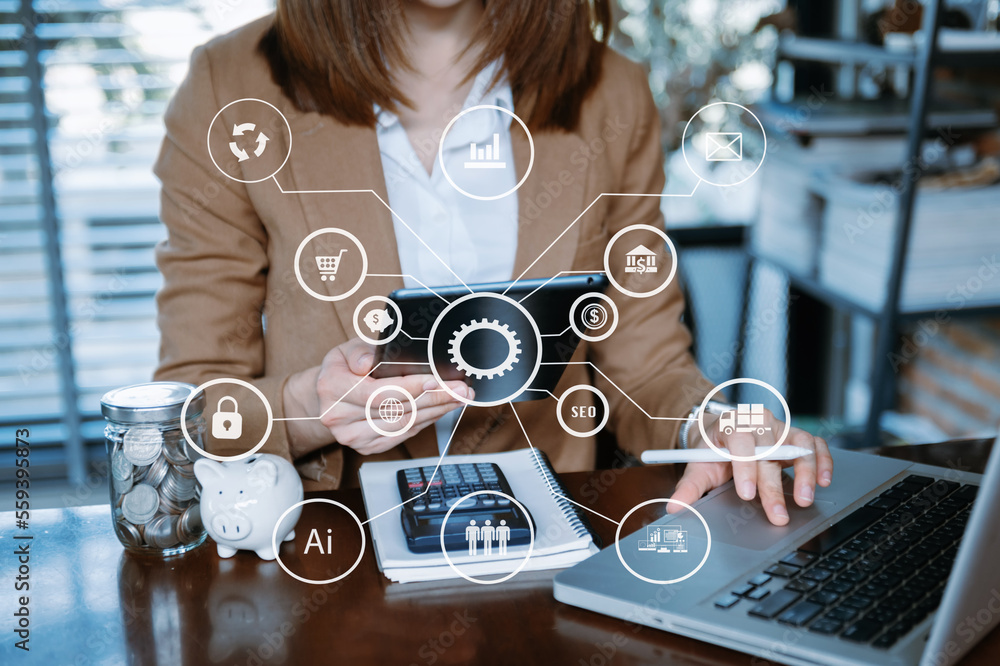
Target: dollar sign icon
{"x": 595, "y": 316}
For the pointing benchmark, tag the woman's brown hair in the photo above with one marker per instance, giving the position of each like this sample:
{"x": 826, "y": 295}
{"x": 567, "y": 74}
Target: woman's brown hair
{"x": 335, "y": 56}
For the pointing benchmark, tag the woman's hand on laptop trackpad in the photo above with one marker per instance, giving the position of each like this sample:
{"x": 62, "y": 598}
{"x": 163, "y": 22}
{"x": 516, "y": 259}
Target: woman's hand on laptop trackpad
{"x": 751, "y": 477}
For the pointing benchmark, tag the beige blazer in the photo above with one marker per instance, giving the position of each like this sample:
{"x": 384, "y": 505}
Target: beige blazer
{"x": 228, "y": 258}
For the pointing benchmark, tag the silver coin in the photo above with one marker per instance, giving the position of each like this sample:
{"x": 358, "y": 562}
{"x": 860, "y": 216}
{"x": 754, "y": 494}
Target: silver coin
{"x": 161, "y": 532}
{"x": 128, "y": 533}
{"x": 189, "y": 526}
{"x": 183, "y": 486}
{"x": 157, "y": 472}
{"x": 167, "y": 488}
{"x": 170, "y": 505}
{"x": 189, "y": 452}
{"x": 186, "y": 470}
{"x": 121, "y": 468}
{"x": 142, "y": 445}
{"x": 174, "y": 450}
{"x": 140, "y": 504}
{"x": 122, "y": 486}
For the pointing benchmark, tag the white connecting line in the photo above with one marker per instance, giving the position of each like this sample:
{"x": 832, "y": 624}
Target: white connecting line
{"x": 356, "y": 385}
{"x": 407, "y": 275}
{"x": 391, "y": 211}
{"x": 557, "y": 335}
{"x": 627, "y": 396}
{"x": 430, "y": 480}
{"x": 570, "y": 226}
{"x": 534, "y": 452}
{"x": 521, "y": 276}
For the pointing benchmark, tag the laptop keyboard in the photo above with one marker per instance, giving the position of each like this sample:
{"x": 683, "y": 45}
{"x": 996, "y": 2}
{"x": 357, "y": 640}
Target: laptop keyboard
{"x": 872, "y": 576}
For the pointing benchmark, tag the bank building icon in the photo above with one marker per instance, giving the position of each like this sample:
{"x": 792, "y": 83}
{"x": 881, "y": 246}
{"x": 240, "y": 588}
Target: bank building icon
{"x": 640, "y": 260}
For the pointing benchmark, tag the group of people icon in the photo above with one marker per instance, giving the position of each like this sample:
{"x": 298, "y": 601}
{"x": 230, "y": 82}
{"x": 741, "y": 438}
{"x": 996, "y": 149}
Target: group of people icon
{"x": 473, "y": 533}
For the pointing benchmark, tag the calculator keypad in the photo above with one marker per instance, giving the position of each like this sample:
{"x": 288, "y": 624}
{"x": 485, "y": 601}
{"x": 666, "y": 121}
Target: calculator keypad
{"x": 450, "y": 484}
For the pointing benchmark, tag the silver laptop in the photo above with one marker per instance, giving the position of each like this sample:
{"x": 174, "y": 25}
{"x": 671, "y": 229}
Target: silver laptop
{"x": 877, "y": 571}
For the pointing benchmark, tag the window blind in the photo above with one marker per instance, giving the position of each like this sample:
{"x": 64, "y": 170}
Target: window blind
{"x": 83, "y": 87}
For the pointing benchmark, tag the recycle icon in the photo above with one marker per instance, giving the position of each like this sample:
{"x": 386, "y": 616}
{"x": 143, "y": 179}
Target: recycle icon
{"x": 241, "y": 153}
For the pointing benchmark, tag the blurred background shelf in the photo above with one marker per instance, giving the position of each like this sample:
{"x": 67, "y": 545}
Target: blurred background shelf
{"x": 880, "y": 206}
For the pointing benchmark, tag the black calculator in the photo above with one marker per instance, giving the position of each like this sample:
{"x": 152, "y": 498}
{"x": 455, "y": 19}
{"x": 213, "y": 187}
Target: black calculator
{"x": 422, "y": 518}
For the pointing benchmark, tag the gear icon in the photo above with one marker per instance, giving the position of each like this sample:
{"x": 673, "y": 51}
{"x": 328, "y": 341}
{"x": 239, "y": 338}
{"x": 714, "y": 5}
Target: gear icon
{"x": 513, "y": 351}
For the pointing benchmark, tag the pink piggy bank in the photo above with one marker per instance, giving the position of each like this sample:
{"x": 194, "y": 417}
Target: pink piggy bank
{"x": 242, "y": 501}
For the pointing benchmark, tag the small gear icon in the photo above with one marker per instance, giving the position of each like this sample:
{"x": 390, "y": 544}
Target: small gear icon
{"x": 513, "y": 351}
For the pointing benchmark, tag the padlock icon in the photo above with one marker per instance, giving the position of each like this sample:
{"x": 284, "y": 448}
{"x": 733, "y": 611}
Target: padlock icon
{"x": 227, "y": 425}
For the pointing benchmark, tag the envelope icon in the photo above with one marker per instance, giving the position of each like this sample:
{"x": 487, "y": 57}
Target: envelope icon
{"x": 724, "y": 146}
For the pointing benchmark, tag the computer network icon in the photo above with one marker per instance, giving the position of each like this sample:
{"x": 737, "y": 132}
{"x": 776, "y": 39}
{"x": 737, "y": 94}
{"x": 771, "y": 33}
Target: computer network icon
{"x": 664, "y": 539}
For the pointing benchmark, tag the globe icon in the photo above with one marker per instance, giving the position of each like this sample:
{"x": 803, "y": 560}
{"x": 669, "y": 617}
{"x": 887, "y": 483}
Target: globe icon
{"x": 390, "y": 410}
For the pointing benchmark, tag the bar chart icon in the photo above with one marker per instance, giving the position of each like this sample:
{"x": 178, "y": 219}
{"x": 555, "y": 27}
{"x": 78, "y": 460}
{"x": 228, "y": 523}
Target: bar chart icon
{"x": 487, "y": 157}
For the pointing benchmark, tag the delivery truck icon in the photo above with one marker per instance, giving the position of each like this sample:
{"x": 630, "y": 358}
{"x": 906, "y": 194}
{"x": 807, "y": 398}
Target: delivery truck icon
{"x": 745, "y": 418}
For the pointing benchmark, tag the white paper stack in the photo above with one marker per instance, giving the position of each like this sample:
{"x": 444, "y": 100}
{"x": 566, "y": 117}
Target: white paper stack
{"x": 788, "y": 225}
{"x": 561, "y": 535}
{"x": 953, "y": 250}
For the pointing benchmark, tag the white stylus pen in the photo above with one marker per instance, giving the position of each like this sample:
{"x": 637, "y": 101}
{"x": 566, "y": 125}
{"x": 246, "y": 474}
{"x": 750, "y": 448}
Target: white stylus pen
{"x": 660, "y": 456}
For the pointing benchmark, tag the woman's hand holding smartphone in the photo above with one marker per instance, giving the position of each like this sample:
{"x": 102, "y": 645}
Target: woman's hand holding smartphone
{"x": 328, "y": 402}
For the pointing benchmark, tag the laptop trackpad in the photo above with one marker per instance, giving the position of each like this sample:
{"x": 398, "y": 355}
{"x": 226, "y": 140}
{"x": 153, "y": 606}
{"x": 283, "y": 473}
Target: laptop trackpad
{"x": 740, "y": 523}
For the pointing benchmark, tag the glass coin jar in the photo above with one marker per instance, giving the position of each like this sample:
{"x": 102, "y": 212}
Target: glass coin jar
{"x": 155, "y": 497}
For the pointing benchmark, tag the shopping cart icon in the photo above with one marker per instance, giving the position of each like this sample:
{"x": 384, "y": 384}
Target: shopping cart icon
{"x": 328, "y": 266}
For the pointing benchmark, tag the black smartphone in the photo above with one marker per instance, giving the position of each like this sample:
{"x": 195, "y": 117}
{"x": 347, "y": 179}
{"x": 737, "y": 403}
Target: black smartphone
{"x": 508, "y": 340}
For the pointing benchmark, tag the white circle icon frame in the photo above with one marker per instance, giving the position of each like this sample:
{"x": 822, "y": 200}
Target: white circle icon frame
{"x": 216, "y": 382}
{"x": 298, "y": 269}
{"x": 618, "y": 534}
{"x": 673, "y": 260}
{"x": 473, "y": 401}
{"x": 320, "y": 500}
{"x": 756, "y": 382}
{"x": 614, "y": 317}
{"x": 208, "y": 141}
{"x": 531, "y": 154}
{"x": 409, "y": 398}
{"x": 684, "y": 144}
{"x": 531, "y": 544}
{"x": 395, "y": 308}
{"x": 562, "y": 401}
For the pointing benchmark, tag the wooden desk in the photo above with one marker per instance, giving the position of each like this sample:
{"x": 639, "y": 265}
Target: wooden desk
{"x": 92, "y": 604}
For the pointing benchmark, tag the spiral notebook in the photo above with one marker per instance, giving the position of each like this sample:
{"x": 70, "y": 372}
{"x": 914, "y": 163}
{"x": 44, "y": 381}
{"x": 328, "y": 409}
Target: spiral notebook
{"x": 563, "y": 535}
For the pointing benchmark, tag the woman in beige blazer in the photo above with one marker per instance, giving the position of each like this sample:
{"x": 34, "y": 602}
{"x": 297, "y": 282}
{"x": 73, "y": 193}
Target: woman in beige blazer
{"x": 231, "y": 307}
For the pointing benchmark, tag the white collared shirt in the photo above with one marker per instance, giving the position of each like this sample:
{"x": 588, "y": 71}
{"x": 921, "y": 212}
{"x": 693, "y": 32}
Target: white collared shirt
{"x": 473, "y": 239}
